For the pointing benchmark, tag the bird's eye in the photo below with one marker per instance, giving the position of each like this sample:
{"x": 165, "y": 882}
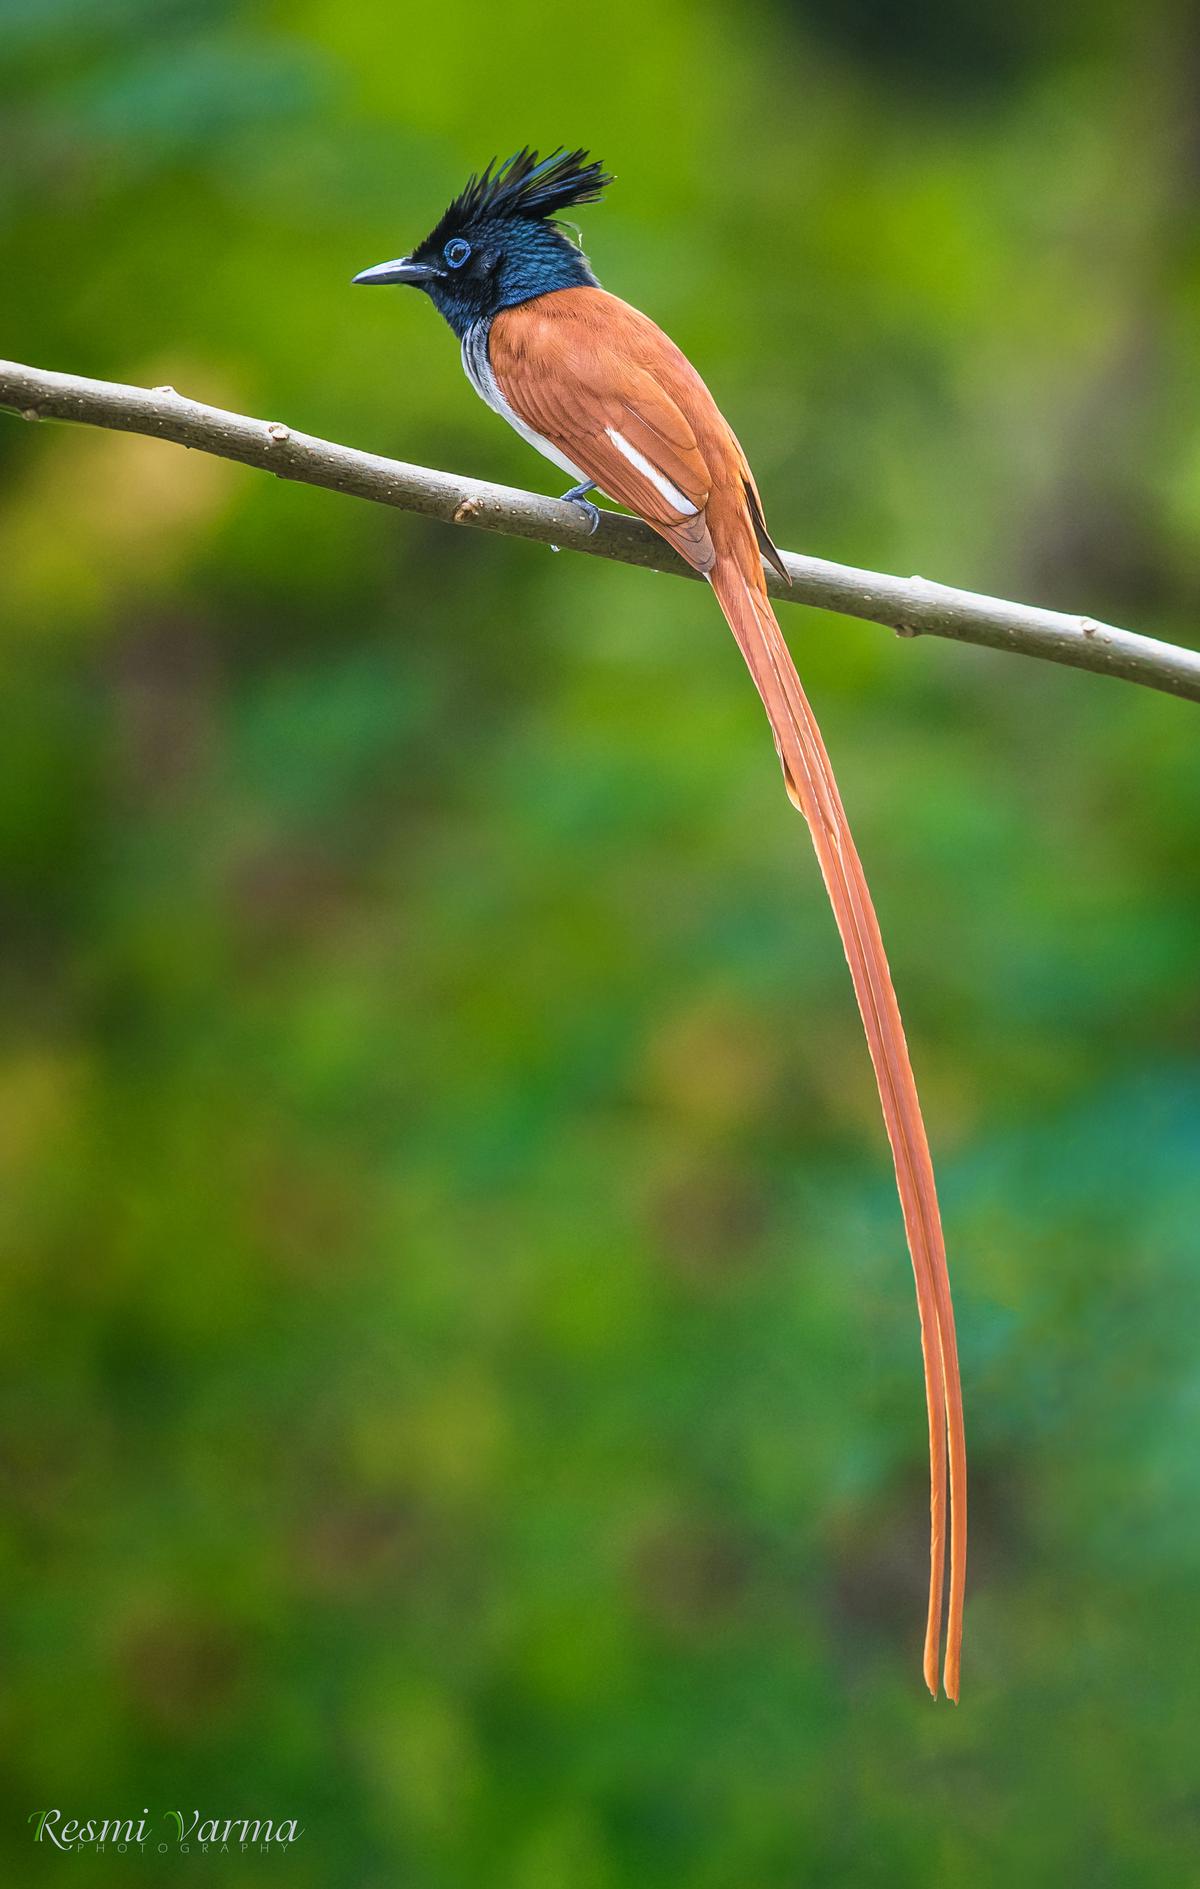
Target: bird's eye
{"x": 456, "y": 252}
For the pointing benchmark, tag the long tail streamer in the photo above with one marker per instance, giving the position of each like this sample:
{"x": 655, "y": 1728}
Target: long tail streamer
{"x": 813, "y": 789}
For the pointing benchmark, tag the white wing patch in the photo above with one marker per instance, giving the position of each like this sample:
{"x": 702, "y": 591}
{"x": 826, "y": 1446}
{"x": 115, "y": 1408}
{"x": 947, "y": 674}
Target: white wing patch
{"x": 658, "y": 480}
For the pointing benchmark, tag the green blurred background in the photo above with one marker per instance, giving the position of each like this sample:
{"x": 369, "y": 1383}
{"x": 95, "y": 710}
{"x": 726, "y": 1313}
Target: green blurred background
{"x": 460, "y": 1382}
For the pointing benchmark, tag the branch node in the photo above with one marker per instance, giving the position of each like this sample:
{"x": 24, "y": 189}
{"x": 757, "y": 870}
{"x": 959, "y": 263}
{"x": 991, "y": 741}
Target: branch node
{"x": 466, "y": 510}
{"x": 277, "y": 431}
{"x": 30, "y": 413}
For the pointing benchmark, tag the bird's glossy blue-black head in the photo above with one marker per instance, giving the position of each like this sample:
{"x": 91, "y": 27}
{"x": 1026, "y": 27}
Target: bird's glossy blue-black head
{"x": 498, "y": 244}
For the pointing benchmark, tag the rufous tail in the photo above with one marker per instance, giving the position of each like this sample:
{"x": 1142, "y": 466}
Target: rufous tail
{"x": 812, "y": 788}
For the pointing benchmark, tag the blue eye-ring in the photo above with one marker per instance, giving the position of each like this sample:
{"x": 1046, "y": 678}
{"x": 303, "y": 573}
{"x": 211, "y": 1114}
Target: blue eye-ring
{"x": 456, "y": 252}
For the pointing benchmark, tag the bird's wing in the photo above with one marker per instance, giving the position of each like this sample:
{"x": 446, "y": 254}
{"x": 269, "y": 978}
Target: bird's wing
{"x": 582, "y": 377}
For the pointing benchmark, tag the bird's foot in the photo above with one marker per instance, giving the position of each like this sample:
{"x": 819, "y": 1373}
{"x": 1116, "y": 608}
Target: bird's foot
{"x": 578, "y": 495}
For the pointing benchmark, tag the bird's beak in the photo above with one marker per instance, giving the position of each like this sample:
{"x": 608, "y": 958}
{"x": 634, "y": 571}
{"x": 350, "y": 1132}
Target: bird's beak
{"x": 402, "y": 270}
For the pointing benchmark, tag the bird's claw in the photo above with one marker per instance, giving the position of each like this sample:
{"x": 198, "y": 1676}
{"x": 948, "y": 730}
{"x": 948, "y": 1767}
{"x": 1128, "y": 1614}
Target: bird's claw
{"x": 578, "y": 496}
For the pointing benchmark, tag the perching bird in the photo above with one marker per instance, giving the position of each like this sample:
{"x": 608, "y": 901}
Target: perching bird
{"x": 601, "y": 391}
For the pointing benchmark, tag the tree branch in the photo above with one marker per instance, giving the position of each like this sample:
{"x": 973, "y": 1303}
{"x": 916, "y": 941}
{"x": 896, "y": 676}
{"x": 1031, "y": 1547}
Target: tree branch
{"x": 912, "y": 606}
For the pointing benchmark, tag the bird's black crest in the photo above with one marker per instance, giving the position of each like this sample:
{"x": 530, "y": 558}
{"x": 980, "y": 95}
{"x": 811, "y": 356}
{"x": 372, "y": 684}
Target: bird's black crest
{"x": 524, "y": 186}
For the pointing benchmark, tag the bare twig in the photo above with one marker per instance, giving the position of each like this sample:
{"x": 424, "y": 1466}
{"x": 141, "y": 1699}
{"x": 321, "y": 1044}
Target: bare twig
{"x": 912, "y": 606}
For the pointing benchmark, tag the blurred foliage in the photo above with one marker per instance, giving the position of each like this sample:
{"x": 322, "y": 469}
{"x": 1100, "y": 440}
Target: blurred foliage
{"x": 460, "y": 1384}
